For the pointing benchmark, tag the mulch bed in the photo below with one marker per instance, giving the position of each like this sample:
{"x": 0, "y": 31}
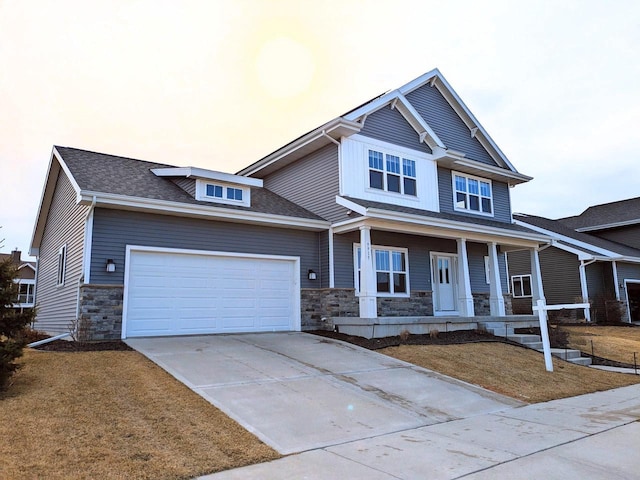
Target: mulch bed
{"x": 71, "y": 346}
{"x": 443, "y": 338}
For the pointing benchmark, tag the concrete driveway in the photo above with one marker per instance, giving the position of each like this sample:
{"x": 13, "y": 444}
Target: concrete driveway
{"x": 300, "y": 392}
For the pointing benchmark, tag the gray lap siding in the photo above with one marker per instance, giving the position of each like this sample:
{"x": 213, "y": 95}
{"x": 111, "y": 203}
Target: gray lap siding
{"x": 501, "y": 198}
{"x": 419, "y": 250}
{"x": 390, "y": 126}
{"x": 113, "y": 230}
{"x": 57, "y": 304}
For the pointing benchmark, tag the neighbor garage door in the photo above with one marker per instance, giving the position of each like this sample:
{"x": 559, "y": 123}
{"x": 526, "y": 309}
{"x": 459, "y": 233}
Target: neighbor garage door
{"x": 170, "y": 293}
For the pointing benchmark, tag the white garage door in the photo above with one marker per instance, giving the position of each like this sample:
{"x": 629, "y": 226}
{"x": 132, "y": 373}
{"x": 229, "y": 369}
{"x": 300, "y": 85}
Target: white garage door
{"x": 169, "y": 293}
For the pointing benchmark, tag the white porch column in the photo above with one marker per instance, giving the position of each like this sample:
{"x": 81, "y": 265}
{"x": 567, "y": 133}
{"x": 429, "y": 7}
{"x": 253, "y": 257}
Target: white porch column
{"x": 584, "y": 290}
{"x": 537, "y": 292}
{"x": 616, "y": 286}
{"x": 465, "y": 298}
{"x": 368, "y": 288}
{"x": 496, "y": 300}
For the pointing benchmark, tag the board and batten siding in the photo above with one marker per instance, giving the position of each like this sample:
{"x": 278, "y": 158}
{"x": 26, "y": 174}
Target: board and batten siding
{"x": 57, "y": 304}
{"x": 445, "y": 122}
{"x": 311, "y": 182}
{"x": 501, "y": 198}
{"x": 390, "y": 126}
{"x": 113, "y": 230}
{"x": 629, "y": 235}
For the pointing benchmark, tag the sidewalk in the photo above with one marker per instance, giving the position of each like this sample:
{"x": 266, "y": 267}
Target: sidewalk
{"x": 590, "y": 436}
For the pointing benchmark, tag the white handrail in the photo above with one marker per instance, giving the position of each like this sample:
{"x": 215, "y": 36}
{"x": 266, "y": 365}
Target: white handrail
{"x": 542, "y": 308}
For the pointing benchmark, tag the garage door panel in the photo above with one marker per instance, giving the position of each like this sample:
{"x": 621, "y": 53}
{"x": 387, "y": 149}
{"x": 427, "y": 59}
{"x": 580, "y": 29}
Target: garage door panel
{"x": 172, "y": 293}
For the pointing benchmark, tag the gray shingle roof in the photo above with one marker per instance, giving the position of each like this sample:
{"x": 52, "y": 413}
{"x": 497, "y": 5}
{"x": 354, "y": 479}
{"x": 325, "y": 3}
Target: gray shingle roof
{"x": 441, "y": 215}
{"x": 606, "y": 214}
{"x": 99, "y": 172}
{"x": 561, "y": 229}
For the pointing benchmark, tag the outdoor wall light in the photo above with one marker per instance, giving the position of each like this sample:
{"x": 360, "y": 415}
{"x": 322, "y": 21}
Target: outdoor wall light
{"x": 111, "y": 266}
{"x": 312, "y": 275}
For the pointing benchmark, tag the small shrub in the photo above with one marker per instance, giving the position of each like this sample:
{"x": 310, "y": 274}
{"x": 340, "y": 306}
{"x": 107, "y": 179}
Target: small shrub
{"x": 558, "y": 338}
{"x": 434, "y": 333}
{"x": 404, "y": 335}
{"x": 12, "y": 323}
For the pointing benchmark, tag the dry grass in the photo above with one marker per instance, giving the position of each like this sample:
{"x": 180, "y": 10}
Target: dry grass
{"x": 113, "y": 415}
{"x": 510, "y": 370}
{"x": 614, "y": 343}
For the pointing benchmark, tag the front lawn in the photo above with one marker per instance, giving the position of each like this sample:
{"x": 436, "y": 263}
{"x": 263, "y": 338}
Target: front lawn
{"x": 510, "y": 370}
{"x": 613, "y": 343}
{"x": 113, "y": 415}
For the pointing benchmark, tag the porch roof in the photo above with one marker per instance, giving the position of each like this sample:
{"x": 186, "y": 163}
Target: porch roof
{"x": 415, "y": 221}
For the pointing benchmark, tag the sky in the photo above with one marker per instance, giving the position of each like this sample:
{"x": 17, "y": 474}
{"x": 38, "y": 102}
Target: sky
{"x": 219, "y": 84}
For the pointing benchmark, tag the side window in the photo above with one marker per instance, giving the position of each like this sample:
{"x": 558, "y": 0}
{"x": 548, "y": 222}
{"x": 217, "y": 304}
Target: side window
{"x": 62, "y": 264}
{"x": 521, "y": 286}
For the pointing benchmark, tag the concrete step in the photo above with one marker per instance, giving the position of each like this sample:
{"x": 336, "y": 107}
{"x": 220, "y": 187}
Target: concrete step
{"x": 533, "y": 345}
{"x": 501, "y": 331}
{"x": 524, "y": 339}
{"x": 566, "y": 354}
{"x": 586, "y": 361}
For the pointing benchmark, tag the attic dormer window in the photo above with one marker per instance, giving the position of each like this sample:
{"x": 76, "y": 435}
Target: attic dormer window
{"x": 220, "y": 192}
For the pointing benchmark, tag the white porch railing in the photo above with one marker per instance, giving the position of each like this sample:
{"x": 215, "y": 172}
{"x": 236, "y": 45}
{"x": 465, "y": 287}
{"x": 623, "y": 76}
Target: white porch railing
{"x": 542, "y": 309}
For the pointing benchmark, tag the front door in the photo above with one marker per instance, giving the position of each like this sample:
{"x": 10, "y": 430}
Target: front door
{"x": 444, "y": 283}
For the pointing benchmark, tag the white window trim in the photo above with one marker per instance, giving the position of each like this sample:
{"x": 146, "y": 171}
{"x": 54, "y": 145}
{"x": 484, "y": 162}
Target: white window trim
{"x": 356, "y": 277}
{"x": 385, "y": 172}
{"x": 479, "y": 179}
{"x": 61, "y": 271}
{"x": 27, "y": 281}
{"x": 513, "y": 289}
{"x": 201, "y": 193}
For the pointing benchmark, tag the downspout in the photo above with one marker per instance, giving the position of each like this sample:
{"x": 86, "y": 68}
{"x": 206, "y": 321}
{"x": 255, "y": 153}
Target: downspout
{"x": 86, "y": 258}
{"x": 331, "y": 268}
{"x": 583, "y": 286}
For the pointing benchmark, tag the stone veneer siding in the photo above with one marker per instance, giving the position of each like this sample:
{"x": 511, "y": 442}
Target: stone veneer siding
{"x": 482, "y": 304}
{"x": 100, "y": 316}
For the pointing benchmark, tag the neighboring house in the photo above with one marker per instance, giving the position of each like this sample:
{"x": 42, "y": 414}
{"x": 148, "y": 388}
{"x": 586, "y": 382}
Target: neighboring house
{"x": 26, "y": 278}
{"x": 400, "y": 207}
{"x": 579, "y": 266}
{"x": 615, "y": 221}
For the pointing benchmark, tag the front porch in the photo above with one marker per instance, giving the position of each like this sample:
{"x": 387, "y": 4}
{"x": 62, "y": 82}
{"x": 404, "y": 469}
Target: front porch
{"x": 381, "y": 327}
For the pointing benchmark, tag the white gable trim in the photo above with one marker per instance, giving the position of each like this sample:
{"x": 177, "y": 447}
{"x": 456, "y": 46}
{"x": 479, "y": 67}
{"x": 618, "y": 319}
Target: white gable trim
{"x": 569, "y": 240}
{"x": 396, "y": 100}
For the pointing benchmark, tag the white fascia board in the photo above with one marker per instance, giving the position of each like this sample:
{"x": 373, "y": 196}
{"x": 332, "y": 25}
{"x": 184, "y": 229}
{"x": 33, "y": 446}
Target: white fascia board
{"x": 351, "y": 205}
{"x": 569, "y": 240}
{"x": 203, "y": 211}
{"x": 56, "y": 163}
{"x": 579, "y": 253}
{"x": 462, "y": 229}
{"x": 420, "y": 81}
{"x": 452, "y": 224}
{"x": 320, "y": 132}
{"x": 608, "y": 225}
{"x": 206, "y": 174}
{"x": 463, "y": 162}
{"x": 27, "y": 265}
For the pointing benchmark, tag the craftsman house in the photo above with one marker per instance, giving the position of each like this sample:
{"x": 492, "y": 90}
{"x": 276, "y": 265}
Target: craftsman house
{"x": 397, "y": 209}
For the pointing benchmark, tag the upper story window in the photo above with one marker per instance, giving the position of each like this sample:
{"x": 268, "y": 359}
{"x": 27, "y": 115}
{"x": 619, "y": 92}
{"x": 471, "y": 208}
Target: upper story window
{"x": 392, "y": 173}
{"x": 26, "y": 291}
{"x": 472, "y": 194}
{"x": 223, "y": 193}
